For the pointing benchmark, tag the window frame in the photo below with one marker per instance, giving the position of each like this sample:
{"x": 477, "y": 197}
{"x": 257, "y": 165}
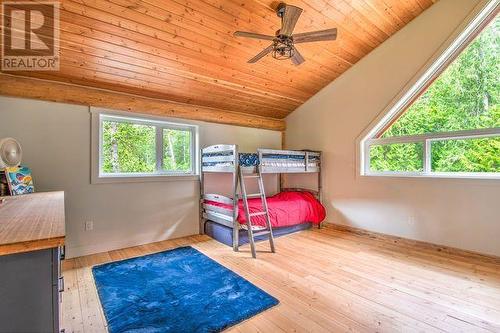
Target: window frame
{"x": 439, "y": 62}
{"x": 99, "y": 116}
{"x": 426, "y": 140}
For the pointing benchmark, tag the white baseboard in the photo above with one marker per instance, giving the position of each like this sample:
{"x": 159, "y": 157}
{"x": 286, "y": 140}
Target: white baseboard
{"x": 87, "y": 249}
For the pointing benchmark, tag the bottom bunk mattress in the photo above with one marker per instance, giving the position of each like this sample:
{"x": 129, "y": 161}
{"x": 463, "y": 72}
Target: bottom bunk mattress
{"x": 285, "y": 209}
{"x": 224, "y": 234}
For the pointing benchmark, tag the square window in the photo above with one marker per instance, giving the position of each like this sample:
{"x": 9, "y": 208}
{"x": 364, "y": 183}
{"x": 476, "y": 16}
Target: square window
{"x": 132, "y": 148}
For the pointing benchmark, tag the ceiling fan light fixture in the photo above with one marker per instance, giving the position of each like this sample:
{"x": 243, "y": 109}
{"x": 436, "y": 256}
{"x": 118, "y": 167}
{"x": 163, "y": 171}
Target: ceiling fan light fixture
{"x": 282, "y": 46}
{"x": 283, "y": 49}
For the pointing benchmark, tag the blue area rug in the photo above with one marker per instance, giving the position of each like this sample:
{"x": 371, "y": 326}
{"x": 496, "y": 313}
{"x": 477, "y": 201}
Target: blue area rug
{"x": 180, "y": 290}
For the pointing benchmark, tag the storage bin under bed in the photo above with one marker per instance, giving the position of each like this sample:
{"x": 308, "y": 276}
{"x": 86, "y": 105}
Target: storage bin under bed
{"x": 224, "y": 234}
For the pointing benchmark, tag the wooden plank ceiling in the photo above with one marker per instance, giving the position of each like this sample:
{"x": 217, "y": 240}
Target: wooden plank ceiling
{"x": 184, "y": 51}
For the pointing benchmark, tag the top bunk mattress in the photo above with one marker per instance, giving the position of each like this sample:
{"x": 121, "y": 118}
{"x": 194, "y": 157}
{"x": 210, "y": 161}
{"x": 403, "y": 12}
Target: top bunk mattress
{"x": 251, "y": 160}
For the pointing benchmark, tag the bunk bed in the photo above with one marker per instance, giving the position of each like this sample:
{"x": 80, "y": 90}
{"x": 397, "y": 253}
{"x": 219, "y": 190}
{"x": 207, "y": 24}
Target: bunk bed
{"x": 291, "y": 209}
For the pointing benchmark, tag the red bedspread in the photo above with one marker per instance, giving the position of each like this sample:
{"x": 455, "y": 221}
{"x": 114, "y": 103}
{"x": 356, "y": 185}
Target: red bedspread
{"x": 285, "y": 209}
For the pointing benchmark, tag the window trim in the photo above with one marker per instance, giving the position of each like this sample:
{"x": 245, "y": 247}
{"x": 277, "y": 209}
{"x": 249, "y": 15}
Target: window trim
{"x": 426, "y": 140}
{"x": 462, "y": 37}
{"x": 99, "y": 115}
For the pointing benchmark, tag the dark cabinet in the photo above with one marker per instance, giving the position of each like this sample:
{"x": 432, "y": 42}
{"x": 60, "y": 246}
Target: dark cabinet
{"x": 32, "y": 235}
{"x": 31, "y": 286}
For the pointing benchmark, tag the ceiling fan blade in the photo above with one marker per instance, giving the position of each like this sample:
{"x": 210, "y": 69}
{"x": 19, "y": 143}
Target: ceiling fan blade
{"x": 297, "y": 58}
{"x": 315, "y": 36}
{"x": 261, "y": 55}
{"x": 289, "y": 19}
{"x": 252, "y": 35}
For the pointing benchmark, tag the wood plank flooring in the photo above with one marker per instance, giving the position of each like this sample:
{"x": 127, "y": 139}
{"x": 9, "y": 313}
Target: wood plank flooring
{"x": 331, "y": 280}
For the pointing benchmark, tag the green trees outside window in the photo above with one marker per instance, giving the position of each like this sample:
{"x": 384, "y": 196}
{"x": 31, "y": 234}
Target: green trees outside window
{"x": 128, "y": 147}
{"x": 176, "y": 150}
{"x": 469, "y": 155}
{"x": 388, "y": 157}
{"x": 464, "y": 97}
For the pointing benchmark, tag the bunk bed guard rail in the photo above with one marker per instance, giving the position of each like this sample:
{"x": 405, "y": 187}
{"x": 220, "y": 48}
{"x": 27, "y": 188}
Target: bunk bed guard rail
{"x": 288, "y": 161}
{"x": 225, "y": 158}
{"x": 219, "y": 158}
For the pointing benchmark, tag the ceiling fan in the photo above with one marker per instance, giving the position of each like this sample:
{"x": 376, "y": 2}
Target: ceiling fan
{"x": 283, "y": 43}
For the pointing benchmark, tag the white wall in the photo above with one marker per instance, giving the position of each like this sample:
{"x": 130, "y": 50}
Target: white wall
{"x": 459, "y": 213}
{"x": 56, "y": 145}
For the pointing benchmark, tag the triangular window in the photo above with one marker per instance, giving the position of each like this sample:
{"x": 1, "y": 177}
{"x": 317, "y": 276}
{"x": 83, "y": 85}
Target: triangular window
{"x": 450, "y": 124}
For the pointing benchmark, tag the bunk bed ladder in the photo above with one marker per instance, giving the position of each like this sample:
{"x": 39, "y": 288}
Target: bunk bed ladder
{"x": 269, "y": 230}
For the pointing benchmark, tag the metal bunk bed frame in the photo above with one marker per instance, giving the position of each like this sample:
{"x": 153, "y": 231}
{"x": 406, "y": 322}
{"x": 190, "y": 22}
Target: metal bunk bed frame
{"x": 228, "y": 157}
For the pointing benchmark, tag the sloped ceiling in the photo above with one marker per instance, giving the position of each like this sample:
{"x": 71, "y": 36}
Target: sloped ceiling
{"x": 184, "y": 51}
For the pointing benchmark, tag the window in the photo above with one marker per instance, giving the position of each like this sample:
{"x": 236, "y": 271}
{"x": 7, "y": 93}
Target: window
{"x": 452, "y": 129}
{"x": 140, "y": 147}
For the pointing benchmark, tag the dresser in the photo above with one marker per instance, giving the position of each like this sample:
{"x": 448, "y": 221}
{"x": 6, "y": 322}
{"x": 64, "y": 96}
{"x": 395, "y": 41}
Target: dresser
{"x": 32, "y": 234}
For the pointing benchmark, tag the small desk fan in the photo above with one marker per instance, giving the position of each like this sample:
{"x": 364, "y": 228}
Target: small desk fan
{"x": 10, "y": 153}
{"x": 18, "y": 178}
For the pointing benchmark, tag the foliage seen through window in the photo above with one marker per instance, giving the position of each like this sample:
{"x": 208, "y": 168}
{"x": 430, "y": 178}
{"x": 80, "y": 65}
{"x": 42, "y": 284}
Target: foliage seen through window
{"x": 464, "y": 97}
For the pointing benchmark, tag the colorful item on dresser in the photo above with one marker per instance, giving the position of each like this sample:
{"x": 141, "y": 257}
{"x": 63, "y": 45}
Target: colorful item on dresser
{"x": 180, "y": 290}
{"x": 19, "y": 180}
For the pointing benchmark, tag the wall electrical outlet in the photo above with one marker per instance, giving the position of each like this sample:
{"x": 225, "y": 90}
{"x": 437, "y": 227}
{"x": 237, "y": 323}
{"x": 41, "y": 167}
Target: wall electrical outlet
{"x": 89, "y": 225}
{"x": 411, "y": 219}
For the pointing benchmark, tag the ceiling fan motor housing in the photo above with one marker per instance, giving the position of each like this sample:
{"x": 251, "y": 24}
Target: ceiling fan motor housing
{"x": 280, "y": 11}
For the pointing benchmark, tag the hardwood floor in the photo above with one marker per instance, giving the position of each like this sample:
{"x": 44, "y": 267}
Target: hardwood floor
{"x": 331, "y": 280}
